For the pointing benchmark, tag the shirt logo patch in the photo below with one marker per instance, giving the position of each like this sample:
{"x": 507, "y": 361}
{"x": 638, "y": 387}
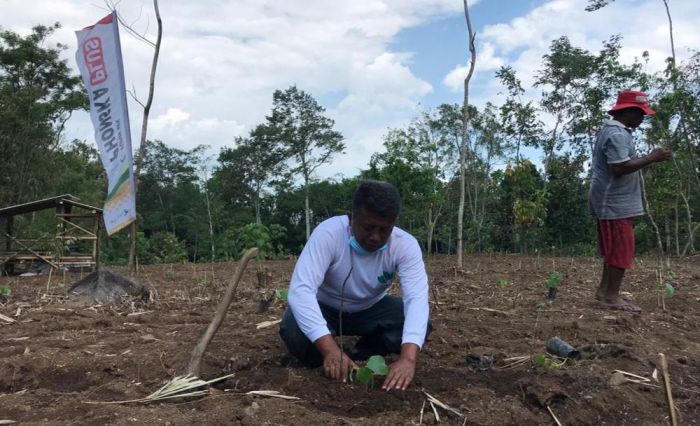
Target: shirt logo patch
{"x": 385, "y": 277}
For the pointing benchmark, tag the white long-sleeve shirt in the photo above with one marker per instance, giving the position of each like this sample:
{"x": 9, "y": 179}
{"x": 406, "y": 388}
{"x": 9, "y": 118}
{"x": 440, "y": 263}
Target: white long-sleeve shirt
{"x": 325, "y": 262}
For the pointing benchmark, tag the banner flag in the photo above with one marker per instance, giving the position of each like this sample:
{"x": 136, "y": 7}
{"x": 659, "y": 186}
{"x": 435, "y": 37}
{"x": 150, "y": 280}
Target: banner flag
{"x": 100, "y": 62}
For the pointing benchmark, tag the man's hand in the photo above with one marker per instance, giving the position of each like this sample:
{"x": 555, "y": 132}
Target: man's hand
{"x": 660, "y": 154}
{"x": 631, "y": 166}
{"x": 400, "y": 374}
{"x": 402, "y": 371}
{"x": 336, "y": 364}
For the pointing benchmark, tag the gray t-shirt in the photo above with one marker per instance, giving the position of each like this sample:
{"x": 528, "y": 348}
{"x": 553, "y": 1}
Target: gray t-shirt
{"x": 610, "y": 196}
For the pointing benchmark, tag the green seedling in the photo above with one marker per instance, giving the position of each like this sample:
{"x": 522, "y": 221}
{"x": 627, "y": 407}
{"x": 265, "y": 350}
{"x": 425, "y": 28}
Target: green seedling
{"x": 544, "y": 361}
{"x": 501, "y": 282}
{"x": 5, "y": 291}
{"x": 669, "y": 289}
{"x": 376, "y": 366}
{"x": 553, "y": 279}
{"x": 665, "y": 277}
{"x": 207, "y": 281}
{"x": 282, "y": 294}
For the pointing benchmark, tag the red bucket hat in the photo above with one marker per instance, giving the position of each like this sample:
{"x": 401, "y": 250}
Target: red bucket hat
{"x": 633, "y": 99}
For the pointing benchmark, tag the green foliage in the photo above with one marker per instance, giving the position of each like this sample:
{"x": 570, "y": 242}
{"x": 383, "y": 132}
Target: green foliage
{"x": 567, "y": 224}
{"x": 282, "y": 294}
{"x": 376, "y": 366}
{"x": 669, "y": 289}
{"x": 164, "y": 247}
{"x": 266, "y": 239}
{"x": 114, "y": 250}
{"x": 257, "y": 191}
{"x": 249, "y": 169}
{"x": 161, "y": 247}
{"x": 544, "y": 361}
{"x": 37, "y": 95}
{"x": 553, "y": 279}
{"x": 364, "y": 375}
{"x": 5, "y": 291}
{"x": 306, "y": 135}
{"x": 665, "y": 276}
{"x": 501, "y": 282}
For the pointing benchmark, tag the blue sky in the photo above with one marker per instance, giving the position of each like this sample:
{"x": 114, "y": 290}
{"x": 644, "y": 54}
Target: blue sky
{"x": 439, "y": 43}
{"x": 373, "y": 64}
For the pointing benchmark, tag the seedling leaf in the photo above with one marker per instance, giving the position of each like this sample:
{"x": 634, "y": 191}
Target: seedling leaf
{"x": 668, "y": 288}
{"x": 501, "y": 282}
{"x": 553, "y": 279}
{"x": 282, "y": 294}
{"x": 364, "y": 376}
{"x": 377, "y": 364}
{"x": 540, "y": 360}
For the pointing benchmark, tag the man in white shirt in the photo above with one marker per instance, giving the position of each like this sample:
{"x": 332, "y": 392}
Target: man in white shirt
{"x": 348, "y": 265}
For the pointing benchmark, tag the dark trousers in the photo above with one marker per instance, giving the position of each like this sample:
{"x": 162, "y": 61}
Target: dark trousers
{"x": 380, "y": 327}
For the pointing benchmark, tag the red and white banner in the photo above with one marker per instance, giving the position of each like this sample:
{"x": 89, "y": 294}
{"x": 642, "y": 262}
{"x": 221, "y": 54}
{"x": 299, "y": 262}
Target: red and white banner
{"x": 99, "y": 59}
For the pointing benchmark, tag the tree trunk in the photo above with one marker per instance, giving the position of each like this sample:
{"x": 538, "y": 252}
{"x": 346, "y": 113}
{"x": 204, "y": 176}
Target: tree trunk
{"x": 211, "y": 223}
{"x": 651, "y": 218}
{"x": 257, "y": 210}
{"x": 676, "y": 229}
{"x": 465, "y": 137}
{"x": 667, "y": 231}
{"x": 428, "y": 237}
{"x": 144, "y": 128}
{"x": 670, "y": 31}
{"x": 689, "y": 219}
{"x": 307, "y": 211}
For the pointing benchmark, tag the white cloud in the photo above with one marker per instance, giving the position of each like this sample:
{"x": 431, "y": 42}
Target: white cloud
{"x": 642, "y": 23}
{"x": 169, "y": 119}
{"x": 221, "y": 61}
{"x": 486, "y": 60}
{"x": 522, "y": 42}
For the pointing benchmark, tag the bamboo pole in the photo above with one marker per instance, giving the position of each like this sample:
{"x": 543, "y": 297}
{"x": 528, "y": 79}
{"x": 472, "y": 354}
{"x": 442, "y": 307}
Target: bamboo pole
{"x": 198, "y": 351}
{"x": 667, "y": 386}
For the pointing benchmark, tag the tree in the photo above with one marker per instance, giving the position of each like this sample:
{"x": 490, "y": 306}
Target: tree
{"x": 298, "y": 123}
{"x": 465, "y": 136}
{"x": 38, "y": 93}
{"x": 567, "y": 223}
{"x": 171, "y": 199}
{"x": 523, "y": 203}
{"x": 418, "y": 160}
{"x": 519, "y": 120}
{"x": 577, "y": 88}
{"x": 256, "y": 163}
{"x": 144, "y": 124}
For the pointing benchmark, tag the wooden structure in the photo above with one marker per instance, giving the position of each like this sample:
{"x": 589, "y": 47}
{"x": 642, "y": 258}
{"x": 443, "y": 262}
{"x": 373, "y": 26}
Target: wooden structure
{"x": 75, "y": 222}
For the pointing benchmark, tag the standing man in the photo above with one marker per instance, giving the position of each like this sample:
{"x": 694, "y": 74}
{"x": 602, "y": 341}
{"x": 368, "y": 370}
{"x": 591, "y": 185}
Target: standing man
{"x": 615, "y": 196}
{"x": 343, "y": 274}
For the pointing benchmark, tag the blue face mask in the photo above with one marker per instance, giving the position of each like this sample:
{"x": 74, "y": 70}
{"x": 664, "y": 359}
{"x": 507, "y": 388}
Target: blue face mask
{"x": 361, "y": 250}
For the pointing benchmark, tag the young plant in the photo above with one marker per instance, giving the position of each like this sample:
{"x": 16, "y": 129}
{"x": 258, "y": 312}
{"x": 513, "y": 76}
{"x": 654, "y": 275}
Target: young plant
{"x": 282, "y": 294}
{"x": 552, "y": 283}
{"x": 545, "y": 361}
{"x": 553, "y": 279}
{"x": 665, "y": 277}
{"x": 501, "y": 282}
{"x": 376, "y": 366}
{"x": 4, "y": 293}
